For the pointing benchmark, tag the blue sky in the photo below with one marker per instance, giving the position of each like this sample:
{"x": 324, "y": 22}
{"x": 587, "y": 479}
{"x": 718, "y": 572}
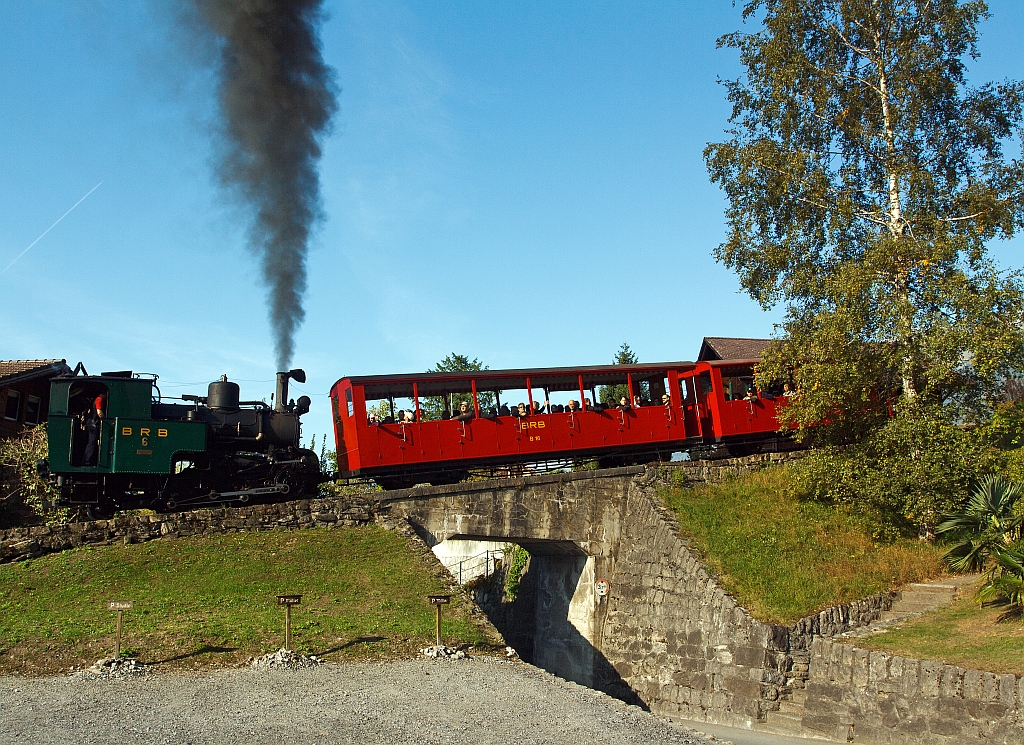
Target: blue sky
{"x": 519, "y": 182}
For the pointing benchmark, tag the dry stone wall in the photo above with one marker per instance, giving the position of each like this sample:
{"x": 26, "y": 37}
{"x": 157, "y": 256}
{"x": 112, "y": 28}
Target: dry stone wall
{"x": 690, "y": 472}
{"x": 18, "y": 544}
{"x": 876, "y": 697}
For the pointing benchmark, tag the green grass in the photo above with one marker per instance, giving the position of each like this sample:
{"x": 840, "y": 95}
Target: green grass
{"x": 965, "y": 634}
{"x": 784, "y": 559}
{"x": 213, "y": 599}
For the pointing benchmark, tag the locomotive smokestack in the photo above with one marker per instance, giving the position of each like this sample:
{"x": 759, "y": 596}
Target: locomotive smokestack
{"x": 277, "y": 97}
{"x": 281, "y": 392}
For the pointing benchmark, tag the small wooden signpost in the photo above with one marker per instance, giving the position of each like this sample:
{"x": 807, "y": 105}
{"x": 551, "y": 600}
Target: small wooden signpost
{"x": 288, "y": 601}
{"x": 437, "y": 601}
{"x": 120, "y": 606}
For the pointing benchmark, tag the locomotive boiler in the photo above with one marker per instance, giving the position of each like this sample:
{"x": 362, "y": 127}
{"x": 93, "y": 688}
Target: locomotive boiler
{"x": 116, "y": 443}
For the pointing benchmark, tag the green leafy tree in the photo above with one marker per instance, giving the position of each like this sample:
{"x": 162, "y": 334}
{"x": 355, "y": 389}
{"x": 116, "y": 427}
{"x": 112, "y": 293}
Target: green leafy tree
{"x": 864, "y": 180}
{"x": 610, "y": 394}
{"x": 433, "y": 406}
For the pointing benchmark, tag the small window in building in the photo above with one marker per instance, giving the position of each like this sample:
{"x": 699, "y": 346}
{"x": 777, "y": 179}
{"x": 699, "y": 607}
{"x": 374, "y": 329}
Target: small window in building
{"x": 33, "y": 409}
{"x": 13, "y": 406}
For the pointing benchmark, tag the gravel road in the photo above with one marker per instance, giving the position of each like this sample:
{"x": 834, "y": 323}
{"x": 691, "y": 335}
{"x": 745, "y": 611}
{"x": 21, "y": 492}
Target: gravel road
{"x": 454, "y": 702}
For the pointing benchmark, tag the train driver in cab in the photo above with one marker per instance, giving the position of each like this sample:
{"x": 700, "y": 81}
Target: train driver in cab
{"x": 93, "y": 422}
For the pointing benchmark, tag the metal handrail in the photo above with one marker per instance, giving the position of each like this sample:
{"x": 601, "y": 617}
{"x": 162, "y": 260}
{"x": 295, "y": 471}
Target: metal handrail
{"x": 490, "y": 557}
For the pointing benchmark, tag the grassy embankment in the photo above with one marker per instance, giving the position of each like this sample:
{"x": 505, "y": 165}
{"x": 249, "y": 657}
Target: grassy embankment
{"x": 201, "y": 601}
{"x": 784, "y": 559}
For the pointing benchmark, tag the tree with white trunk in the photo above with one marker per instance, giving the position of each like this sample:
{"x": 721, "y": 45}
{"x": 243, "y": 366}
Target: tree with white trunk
{"x": 865, "y": 179}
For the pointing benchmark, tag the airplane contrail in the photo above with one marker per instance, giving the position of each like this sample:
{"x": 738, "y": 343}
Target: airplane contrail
{"x": 49, "y": 228}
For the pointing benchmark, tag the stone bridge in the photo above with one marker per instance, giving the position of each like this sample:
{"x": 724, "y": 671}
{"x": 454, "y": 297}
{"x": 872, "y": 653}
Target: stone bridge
{"x": 657, "y": 631}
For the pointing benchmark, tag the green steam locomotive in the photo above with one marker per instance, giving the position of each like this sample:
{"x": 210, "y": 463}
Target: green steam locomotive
{"x": 116, "y": 443}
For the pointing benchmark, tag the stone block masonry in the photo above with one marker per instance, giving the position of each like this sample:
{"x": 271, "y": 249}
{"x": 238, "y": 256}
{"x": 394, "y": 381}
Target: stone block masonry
{"x": 675, "y": 637}
{"x": 883, "y": 698}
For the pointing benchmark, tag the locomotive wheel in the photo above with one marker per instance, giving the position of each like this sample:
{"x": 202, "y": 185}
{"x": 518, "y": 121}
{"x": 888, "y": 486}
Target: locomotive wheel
{"x": 98, "y": 511}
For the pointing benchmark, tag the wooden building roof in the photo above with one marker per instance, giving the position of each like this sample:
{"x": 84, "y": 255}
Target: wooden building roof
{"x": 728, "y": 348}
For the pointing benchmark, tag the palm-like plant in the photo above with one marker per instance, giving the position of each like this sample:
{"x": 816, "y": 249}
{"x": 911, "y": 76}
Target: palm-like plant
{"x": 1007, "y": 579}
{"x": 988, "y": 524}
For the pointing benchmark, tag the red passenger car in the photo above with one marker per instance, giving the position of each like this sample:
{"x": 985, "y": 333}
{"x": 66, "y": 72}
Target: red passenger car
{"x": 406, "y": 429}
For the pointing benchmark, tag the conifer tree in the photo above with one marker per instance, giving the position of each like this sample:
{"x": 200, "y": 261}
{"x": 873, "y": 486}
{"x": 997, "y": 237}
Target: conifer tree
{"x": 610, "y": 394}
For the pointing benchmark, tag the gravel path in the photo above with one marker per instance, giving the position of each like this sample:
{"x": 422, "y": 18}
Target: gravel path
{"x": 483, "y": 700}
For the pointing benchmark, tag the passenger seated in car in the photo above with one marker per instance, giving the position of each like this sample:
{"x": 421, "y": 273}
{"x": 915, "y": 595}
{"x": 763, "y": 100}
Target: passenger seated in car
{"x": 371, "y": 419}
{"x": 624, "y": 403}
{"x": 465, "y": 413}
{"x": 572, "y": 406}
{"x": 787, "y": 390}
{"x": 637, "y": 402}
{"x": 751, "y": 394}
{"x": 558, "y": 409}
{"x": 503, "y": 411}
{"x": 541, "y": 408}
{"x": 410, "y": 417}
{"x": 666, "y": 401}
{"x": 521, "y": 410}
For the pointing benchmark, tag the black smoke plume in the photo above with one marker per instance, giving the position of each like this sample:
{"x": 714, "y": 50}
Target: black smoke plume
{"x": 277, "y": 98}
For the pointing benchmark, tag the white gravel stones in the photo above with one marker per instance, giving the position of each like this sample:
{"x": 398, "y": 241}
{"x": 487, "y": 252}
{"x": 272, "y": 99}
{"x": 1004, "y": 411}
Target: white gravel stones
{"x": 283, "y": 659}
{"x": 443, "y": 653}
{"x": 109, "y": 667}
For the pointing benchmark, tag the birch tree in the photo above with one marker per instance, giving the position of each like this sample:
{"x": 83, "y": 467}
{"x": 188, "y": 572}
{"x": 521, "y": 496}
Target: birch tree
{"x": 865, "y": 180}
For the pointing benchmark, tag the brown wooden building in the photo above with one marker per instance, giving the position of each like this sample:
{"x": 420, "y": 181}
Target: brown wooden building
{"x": 727, "y": 348}
{"x": 25, "y": 392}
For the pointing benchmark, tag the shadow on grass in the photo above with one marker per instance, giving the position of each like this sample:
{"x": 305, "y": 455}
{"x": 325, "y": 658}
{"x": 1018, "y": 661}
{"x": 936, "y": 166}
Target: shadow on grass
{"x": 352, "y": 643}
{"x": 205, "y": 649}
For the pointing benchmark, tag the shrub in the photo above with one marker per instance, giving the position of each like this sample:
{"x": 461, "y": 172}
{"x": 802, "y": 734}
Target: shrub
{"x": 25, "y": 497}
{"x": 918, "y": 465}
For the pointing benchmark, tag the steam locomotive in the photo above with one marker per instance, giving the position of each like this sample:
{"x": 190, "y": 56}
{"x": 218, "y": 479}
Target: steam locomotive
{"x": 115, "y": 443}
